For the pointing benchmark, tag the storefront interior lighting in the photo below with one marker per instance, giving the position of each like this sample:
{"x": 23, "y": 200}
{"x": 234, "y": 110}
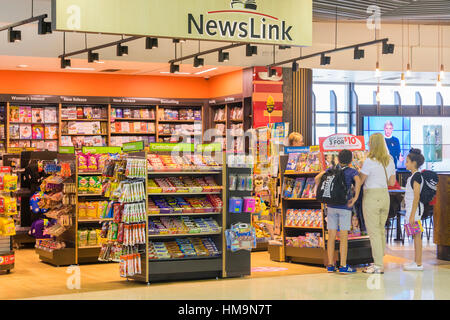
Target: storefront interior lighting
{"x": 65, "y": 63}
{"x": 442, "y": 72}
{"x": 295, "y": 66}
{"x": 388, "y": 48}
{"x": 178, "y": 40}
{"x": 205, "y": 71}
{"x": 174, "y": 68}
{"x": 324, "y": 60}
{"x": 14, "y": 35}
{"x": 44, "y": 27}
{"x": 439, "y": 81}
{"x": 251, "y": 50}
{"x": 408, "y": 70}
{"x": 93, "y": 57}
{"x": 377, "y": 69}
{"x": 122, "y": 50}
{"x": 151, "y": 43}
{"x": 224, "y": 56}
{"x": 403, "y": 81}
{"x": 199, "y": 62}
{"x": 358, "y": 54}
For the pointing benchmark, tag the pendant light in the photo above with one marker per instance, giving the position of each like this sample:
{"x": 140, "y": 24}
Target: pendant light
{"x": 403, "y": 80}
{"x": 442, "y": 68}
{"x": 408, "y": 66}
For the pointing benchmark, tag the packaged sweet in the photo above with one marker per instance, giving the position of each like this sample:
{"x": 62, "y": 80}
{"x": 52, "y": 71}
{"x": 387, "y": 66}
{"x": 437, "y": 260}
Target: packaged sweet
{"x": 83, "y": 184}
{"x": 92, "y": 162}
{"x": 82, "y": 161}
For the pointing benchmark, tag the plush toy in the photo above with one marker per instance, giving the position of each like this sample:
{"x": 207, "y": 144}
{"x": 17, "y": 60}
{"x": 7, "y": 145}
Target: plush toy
{"x": 36, "y": 203}
{"x": 259, "y": 184}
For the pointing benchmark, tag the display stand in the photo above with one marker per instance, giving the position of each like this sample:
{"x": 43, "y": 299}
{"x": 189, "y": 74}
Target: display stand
{"x": 195, "y": 267}
{"x": 65, "y": 256}
{"x": 296, "y": 254}
{"x": 7, "y": 257}
{"x": 236, "y": 264}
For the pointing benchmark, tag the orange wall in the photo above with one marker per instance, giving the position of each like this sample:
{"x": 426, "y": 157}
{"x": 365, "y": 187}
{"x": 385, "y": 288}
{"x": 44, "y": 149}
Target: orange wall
{"x": 226, "y": 84}
{"x": 79, "y": 84}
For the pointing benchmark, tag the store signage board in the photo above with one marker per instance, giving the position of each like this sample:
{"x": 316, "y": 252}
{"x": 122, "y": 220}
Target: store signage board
{"x": 133, "y": 146}
{"x": 287, "y": 22}
{"x": 289, "y": 150}
{"x": 101, "y": 150}
{"x": 31, "y": 99}
{"x": 84, "y": 100}
{"x": 342, "y": 141}
{"x": 169, "y": 147}
{"x": 66, "y": 150}
{"x": 134, "y": 101}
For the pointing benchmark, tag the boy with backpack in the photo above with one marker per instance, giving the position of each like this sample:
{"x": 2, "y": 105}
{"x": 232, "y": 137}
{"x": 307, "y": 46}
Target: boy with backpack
{"x": 420, "y": 192}
{"x": 334, "y": 189}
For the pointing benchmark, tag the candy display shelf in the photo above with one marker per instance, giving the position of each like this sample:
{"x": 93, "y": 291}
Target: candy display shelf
{"x": 180, "y": 235}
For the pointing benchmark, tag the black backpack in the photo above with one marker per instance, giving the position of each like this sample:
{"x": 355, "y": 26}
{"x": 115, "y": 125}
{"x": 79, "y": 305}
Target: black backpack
{"x": 332, "y": 189}
{"x": 430, "y": 181}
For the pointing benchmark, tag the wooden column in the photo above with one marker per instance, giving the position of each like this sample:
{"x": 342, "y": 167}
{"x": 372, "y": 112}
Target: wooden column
{"x": 442, "y": 218}
{"x": 302, "y": 104}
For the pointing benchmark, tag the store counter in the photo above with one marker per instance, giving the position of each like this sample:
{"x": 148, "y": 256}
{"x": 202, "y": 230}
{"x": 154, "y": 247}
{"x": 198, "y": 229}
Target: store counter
{"x": 442, "y": 218}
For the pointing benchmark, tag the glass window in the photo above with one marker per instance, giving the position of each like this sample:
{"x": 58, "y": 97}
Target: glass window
{"x": 429, "y": 95}
{"x": 325, "y": 118}
{"x": 322, "y": 132}
{"x": 365, "y": 93}
{"x": 343, "y": 119}
{"x": 322, "y": 93}
{"x": 408, "y": 95}
{"x": 387, "y": 94}
{"x": 445, "y": 92}
{"x": 341, "y": 91}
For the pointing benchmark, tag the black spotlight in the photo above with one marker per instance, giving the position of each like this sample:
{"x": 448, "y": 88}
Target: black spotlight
{"x": 199, "y": 62}
{"x": 151, "y": 43}
{"x": 65, "y": 63}
{"x": 122, "y": 50}
{"x": 284, "y": 47}
{"x": 93, "y": 57}
{"x": 174, "y": 68}
{"x": 14, "y": 35}
{"x": 271, "y": 72}
{"x": 179, "y": 40}
{"x": 359, "y": 54}
{"x": 251, "y": 50}
{"x": 324, "y": 60}
{"x": 44, "y": 27}
{"x": 224, "y": 56}
{"x": 388, "y": 48}
{"x": 295, "y": 67}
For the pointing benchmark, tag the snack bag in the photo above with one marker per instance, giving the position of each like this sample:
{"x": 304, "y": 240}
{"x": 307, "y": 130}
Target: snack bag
{"x": 82, "y": 238}
{"x": 82, "y": 161}
{"x": 92, "y": 162}
{"x": 92, "y": 208}
{"x": 83, "y": 184}
{"x": 10, "y": 183}
{"x": 82, "y": 210}
{"x": 92, "y": 238}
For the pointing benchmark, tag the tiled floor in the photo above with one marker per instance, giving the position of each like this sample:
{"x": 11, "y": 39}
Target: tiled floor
{"x": 297, "y": 282}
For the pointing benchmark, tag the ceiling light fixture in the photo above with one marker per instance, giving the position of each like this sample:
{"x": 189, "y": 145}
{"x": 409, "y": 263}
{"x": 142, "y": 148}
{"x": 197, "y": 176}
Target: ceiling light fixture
{"x": 403, "y": 81}
{"x": 93, "y": 57}
{"x": 388, "y": 48}
{"x": 377, "y": 69}
{"x": 439, "y": 81}
{"x": 205, "y": 71}
{"x": 271, "y": 72}
{"x": 14, "y": 35}
{"x": 65, "y": 63}
{"x": 358, "y": 54}
{"x": 295, "y": 67}
{"x": 224, "y": 56}
{"x": 251, "y": 50}
{"x": 408, "y": 70}
{"x": 284, "y": 47}
{"x": 442, "y": 72}
{"x": 151, "y": 43}
{"x": 122, "y": 50}
{"x": 22, "y": 66}
{"x": 44, "y": 27}
{"x": 325, "y": 60}
{"x": 199, "y": 62}
{"x": 174, "y": 68}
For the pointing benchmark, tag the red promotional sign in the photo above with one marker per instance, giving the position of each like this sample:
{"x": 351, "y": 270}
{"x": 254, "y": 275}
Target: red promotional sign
{"x": 7, "y": 260}
{"x": 5, "y": 169}
{"x": 342, "y": 141}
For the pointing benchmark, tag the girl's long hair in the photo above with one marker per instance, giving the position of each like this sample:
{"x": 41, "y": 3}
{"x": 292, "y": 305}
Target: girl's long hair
{"x": 378, "y": 149}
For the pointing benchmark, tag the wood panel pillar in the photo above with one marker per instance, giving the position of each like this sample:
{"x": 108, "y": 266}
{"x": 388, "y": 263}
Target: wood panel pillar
{"x": 302, "y": 104}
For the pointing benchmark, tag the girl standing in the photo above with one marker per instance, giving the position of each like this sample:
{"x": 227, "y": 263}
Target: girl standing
{"x": 414, "y": 208}
{"x": 377, "y": 174}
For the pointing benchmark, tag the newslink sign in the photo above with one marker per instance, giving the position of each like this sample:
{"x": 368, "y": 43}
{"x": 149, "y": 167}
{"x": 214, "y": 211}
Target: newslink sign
{"x": 286, "y": 22}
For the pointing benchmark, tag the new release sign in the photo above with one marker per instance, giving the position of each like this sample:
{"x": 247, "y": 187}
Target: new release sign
{"x": 286, "y": 22}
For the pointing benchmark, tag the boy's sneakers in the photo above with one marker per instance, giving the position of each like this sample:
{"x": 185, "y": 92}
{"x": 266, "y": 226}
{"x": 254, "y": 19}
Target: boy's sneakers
{"x": 347, "y": 269}
{"x": 373, "y": 269}
{"x": 412, "y": 267}
{"x": 331, "y": 269}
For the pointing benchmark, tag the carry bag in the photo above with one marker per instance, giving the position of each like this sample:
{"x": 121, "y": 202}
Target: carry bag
{"x": 332, "y": 189}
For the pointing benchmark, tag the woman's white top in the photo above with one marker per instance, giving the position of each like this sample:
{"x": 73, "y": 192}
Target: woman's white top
{"x": 376, "y": 177}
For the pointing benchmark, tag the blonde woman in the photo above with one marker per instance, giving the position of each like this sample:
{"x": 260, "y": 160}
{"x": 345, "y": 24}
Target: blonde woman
{"x": 377, "y": 174}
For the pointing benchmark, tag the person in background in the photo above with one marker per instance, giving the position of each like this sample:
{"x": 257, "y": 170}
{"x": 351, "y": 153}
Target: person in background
{"x": 340, "y": 216}
{"x": 414, "y": 208}
{"x": 392, "y": 143}
{"x": 296, "y": 140}
{"x": 377, "y": 174}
